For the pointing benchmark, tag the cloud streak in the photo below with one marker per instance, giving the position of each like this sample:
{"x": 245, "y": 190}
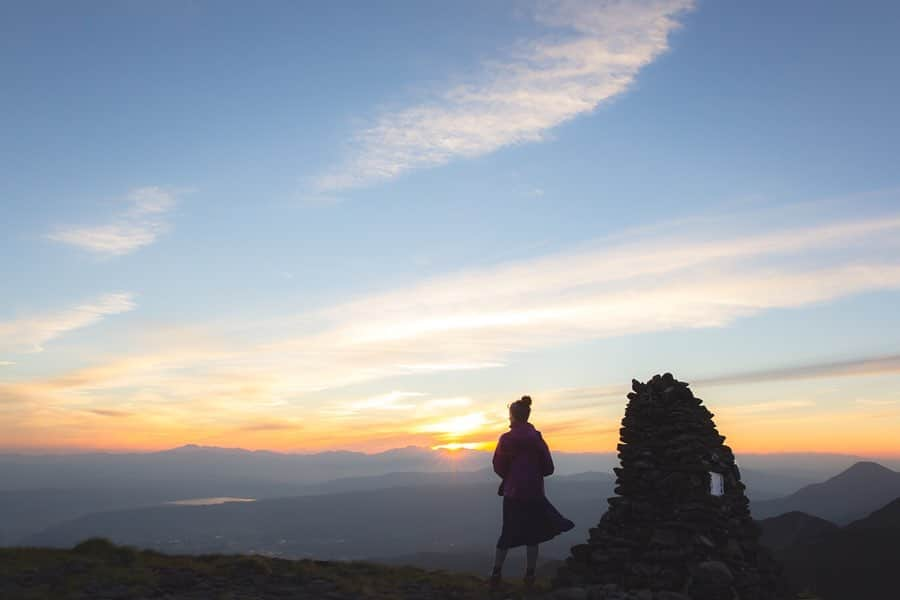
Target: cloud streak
{"x": 108, "y": 412}
{"x": 29, "y": 334}
{"x": 875, "y": 365}
{"x": 138, "y": 225}
{"x": 592, "y": 52}
{"x": 482, "y": 319}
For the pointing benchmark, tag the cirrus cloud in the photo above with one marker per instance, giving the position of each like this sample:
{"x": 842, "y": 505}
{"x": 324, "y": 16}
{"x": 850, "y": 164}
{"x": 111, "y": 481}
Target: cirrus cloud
{"x": 29, "y": 334}
{"x": 480, "y": 318}
{"x": 140, "y": 224}
{"x": 592, "y": 53}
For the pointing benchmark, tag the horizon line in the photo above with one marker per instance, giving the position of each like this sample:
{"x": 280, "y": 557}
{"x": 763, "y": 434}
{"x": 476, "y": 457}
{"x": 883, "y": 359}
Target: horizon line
{"x": 300, "y": 453}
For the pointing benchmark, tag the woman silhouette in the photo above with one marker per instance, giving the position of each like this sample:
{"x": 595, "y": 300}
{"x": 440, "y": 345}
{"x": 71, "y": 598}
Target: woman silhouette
{"x": 522, "y": 460}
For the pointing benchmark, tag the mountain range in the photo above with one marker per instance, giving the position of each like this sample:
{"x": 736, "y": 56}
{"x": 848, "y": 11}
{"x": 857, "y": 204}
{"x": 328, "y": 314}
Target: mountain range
{"x": 366, "y": 524}
{"x": 850, "y": 495}
{"x": 859, "y": 560}
{"x": 39, "y": 491}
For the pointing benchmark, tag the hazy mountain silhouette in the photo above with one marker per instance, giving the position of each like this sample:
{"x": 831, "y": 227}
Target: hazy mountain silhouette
{"x": 768, "y": 485}
{"x": 403, "y": 479}
{"x": 783, "y": 531}
{"x": 418, "y": 507}
{"x": 856, "y": 492}
{"x": 203, "y": 465}
{"x": 811, "y": 466}
{"x": 200, "y": 465}
{"x": 350, "y": 525}
{"x": 25, "y": 512}
{"x": 887, "y": 517}
{"x": 38, "y": 491}
{"x": 857, "y": 561}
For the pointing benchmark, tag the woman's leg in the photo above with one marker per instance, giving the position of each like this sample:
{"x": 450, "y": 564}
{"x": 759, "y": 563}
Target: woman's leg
{"x": 499, "y": 559}
{"x": 531, "y": 556}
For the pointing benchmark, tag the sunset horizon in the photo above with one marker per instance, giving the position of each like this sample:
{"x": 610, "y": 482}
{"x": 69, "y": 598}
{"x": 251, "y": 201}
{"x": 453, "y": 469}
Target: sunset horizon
{"x": 297, "y": 240}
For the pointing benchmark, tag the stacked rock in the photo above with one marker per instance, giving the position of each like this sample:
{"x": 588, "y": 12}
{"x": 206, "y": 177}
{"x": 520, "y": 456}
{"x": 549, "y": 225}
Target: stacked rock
{"x": 680, "y": 522}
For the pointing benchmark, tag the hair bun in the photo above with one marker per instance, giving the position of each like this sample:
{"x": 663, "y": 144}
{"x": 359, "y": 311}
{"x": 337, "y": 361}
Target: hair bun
{"x": 526, "y": 400}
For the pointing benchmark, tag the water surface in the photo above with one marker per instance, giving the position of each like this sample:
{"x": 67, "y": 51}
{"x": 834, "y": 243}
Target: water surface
{"x": 209, "y": 501}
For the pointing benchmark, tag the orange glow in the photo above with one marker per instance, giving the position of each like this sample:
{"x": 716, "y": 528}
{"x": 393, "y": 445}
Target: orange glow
{"x": 865, "y": 429}
{"x": 455, "y": 446}
{"x": 742, "y": 439}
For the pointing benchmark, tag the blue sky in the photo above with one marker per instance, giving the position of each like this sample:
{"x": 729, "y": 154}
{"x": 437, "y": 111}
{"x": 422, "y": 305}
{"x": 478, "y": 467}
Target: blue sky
{"x": 280, "y": 224}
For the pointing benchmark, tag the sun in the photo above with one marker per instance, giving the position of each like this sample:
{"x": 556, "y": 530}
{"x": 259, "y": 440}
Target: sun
{"x": 456, "y": 427}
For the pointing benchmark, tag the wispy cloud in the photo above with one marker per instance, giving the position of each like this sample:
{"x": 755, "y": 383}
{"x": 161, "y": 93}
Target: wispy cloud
{"x": 29, "y": 334}
{"x": 392, "y": 401}
{"x": 139, "y": 224}
{"x": 411, "y": 404}
{"x": 593, "y": 397}
{"x": 482, "y": 318}
{"x": 592, "y": 52}
{"x": 877, "y": 402}
{"x": 773, "y": 406}
{"x": 264, "y": 426}
{"x": 108, "y": 412}
{"x": 871, "y": 365}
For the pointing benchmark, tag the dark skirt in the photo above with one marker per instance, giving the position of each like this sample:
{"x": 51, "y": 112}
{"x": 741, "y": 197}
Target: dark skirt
{"x": 530, "y": 521}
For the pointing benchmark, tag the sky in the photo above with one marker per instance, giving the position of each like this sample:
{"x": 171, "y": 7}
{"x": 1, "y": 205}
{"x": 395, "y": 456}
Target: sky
{"x": 366, "y": 225}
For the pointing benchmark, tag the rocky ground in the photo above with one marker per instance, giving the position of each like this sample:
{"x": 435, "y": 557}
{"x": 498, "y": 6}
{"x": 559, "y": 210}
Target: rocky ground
{"x": 98, "y": 570}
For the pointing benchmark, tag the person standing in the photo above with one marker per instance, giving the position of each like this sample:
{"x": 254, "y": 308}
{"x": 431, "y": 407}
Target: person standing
{"x": 522, "y": 459}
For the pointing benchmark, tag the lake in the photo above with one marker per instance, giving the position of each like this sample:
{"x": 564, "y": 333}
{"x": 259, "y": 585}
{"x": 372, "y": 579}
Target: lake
{"x": 209, "y": 501}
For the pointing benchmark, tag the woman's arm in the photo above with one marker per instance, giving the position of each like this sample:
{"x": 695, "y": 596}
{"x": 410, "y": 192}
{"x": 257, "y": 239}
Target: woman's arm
{"x": 546, "y": 460}
{"x": 502, "y": 458}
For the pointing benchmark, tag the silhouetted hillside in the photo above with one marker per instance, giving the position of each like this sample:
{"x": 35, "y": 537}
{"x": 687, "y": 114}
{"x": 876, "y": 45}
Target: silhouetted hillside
{"x": 96, "y": 569}
{"x": 859, "y": 561}
{"x": 861, "y": 489}
{"x": 783, "y": 531}
{"x": 887, "y": 517}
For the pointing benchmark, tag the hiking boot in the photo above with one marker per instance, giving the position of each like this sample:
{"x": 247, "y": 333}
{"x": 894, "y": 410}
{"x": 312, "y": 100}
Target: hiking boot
{"x": 495, "y": 581}
{"x": 529, "y": 581}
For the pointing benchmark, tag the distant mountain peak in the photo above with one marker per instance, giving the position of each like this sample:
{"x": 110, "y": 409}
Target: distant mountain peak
{"x": 855, "y": 492}
{"x": 865, "y": 469}
{"x": 868, "y": 465}
{"x": 198, "y": 449}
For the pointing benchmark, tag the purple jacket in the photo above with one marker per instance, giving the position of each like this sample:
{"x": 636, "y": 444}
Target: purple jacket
{"x": 522, "y": 459}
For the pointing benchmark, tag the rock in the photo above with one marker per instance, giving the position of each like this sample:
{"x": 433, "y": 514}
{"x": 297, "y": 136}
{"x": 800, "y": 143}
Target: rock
{"x": 680, "y": 518}
{"x": 571, "y": 593}
{"x": 713, "y": 572}
{"x": 667, "y": 595}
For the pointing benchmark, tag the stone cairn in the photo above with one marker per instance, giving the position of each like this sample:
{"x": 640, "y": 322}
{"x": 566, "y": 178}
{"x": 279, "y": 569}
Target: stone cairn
{"x": 679, "y": 526}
